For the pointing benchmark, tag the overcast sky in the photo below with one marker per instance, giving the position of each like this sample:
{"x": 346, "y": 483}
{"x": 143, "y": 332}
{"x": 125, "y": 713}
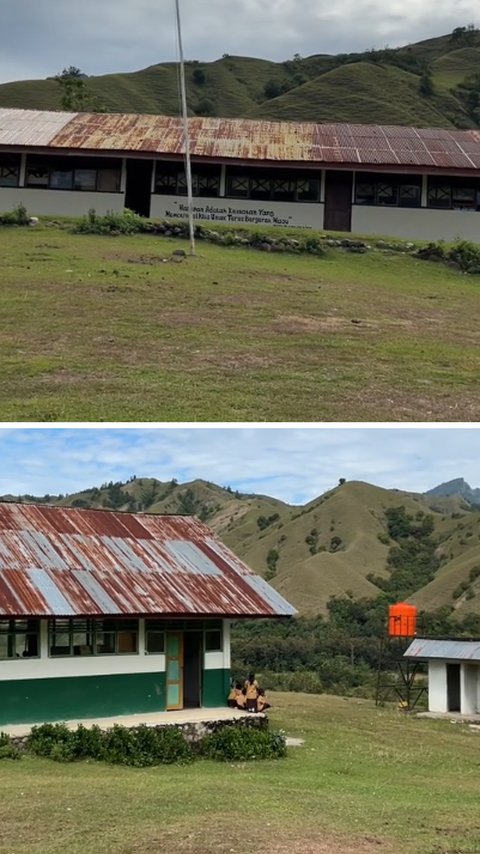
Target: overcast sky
{"x": 39, "y": 37}
{"x": 294, "y": 464}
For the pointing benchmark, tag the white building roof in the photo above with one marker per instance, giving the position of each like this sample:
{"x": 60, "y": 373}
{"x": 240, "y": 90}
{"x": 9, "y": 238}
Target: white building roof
{"x": 444, "y": 649}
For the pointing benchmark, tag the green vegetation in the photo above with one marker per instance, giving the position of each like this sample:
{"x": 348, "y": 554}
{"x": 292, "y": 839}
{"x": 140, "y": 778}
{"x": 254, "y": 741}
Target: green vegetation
{"x": 360, "y": 774}
{"x": 421, "y": 84}
{"x": 100, "y": 328}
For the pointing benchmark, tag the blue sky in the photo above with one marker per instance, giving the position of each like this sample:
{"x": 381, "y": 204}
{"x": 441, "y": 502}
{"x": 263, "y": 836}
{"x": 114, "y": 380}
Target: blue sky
{"x": 294, "y": 464}
{"x": 39, "y": 37}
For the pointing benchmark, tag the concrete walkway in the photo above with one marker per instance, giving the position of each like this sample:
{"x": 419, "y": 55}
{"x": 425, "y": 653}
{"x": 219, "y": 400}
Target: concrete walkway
{"x": 455, "y": 717}
{"x": 185, "y": 716}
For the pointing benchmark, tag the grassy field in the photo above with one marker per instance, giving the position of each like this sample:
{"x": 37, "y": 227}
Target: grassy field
{"x": 102, "y": 328}
{"x": 366, "y": 780}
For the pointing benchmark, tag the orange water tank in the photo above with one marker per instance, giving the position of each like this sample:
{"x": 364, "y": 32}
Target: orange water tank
{"x": 402, "y": 620}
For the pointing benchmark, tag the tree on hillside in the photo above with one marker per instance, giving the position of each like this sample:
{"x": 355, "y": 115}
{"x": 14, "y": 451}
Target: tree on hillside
{"x": 425, "y": 86}
{"x": 465, "y": 36}
{"x": 76, "y": 96}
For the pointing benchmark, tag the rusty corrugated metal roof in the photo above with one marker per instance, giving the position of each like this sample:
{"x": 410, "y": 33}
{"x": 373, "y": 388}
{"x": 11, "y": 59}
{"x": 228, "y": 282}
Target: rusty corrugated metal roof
{"x": 245, "y": 139}
{"x": 63, "y": 562}
{"x": 446, "y": 649}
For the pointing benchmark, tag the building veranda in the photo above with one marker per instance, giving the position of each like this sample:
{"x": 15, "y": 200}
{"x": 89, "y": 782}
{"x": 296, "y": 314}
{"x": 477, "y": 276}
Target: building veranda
{"x": 372, "y": 180}
{"x": 106, "y": 614}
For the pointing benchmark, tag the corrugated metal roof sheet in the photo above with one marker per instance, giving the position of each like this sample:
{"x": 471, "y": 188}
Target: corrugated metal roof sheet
{"x": 446, "y": 649}
{"x": 31, "y": 127}
{"x": 245, "y": 139}
{"x": 63, "y": 561}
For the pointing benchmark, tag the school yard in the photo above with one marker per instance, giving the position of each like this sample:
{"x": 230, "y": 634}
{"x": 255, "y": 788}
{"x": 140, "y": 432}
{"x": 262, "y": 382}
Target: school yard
{"x": 366, "y": 780}
{"x": 102, "y": 328}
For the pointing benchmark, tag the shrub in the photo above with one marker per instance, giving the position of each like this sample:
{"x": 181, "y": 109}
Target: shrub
{"x": 235, "y": 744}
{"x": 144, "y": 746}
{"x": 466, "y": 255}
{"x": 126, "y": 222}
{"x": 18, "y": 216}
{"x": 44, "y": 738}
{"x": 7, "y": 749}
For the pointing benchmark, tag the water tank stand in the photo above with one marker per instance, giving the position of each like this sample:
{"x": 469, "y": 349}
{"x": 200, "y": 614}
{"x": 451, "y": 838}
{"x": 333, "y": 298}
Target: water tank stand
{"x": 397, "y": 680}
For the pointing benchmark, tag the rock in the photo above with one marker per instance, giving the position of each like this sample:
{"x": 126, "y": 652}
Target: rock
{"x": 33, "y": 220}
{"x": 180, "y": 253}
{"x": 265, "y": 247}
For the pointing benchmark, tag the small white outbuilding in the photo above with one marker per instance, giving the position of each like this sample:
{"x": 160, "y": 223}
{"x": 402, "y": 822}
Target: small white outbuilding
{"x": 453, "y": 673}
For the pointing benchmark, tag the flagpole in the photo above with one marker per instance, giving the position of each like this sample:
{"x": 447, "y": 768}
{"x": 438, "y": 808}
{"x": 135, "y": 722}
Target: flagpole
{"x": 186, "y": 135}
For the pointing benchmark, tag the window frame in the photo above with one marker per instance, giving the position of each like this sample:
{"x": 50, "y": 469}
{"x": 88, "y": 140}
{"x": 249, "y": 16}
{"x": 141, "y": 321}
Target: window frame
{"x": 15, "y": 629}
{"x": 15, "y": 161}
{"x": 93, "y": 628}
{"x": 52, "y": 165}
{"x": 396, "y": 181}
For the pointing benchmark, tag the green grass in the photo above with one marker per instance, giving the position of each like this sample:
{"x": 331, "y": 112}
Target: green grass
{"x": 366, "y": 780}
{"x": 101, "y": 329}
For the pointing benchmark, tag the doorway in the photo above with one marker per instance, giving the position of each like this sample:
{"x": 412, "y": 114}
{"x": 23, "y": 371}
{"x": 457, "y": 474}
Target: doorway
{"x": 174, "y": 671}
{"x": 338, "y": 201}
{"x": 139, "y": 186}
{"x": 192, "y": 670}
{"x": 453, "y": 687}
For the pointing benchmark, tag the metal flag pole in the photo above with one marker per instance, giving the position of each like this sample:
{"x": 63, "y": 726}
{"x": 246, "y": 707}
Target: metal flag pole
{"x": 186, "y": 135}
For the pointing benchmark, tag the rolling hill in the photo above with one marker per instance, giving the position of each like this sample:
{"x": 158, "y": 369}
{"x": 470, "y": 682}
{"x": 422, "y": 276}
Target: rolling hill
{"x": 377, "y": 86}
{"x": 335, "y": 545}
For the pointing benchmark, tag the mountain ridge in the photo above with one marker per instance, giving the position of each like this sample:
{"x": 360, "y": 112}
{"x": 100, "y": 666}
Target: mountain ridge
{"x": 338, "y": 544}
{"x": 434, "y": 83}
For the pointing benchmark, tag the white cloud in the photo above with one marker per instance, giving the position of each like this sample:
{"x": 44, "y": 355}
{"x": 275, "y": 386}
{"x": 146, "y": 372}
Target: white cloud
{"x": 114, "y": 35}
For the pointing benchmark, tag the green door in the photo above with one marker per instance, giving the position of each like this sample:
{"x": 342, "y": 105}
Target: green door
{"x": 174, "y": 667}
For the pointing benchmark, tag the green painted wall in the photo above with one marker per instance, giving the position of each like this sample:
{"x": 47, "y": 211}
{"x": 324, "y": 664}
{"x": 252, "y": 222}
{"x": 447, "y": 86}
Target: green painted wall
{"x": 64, "y": 698}
{"x": 215, "y": 687}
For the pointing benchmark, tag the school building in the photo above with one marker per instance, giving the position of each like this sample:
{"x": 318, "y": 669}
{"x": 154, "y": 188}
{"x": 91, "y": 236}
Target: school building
{"x": 106, "y": 613}
{"x": 372, "y": 180}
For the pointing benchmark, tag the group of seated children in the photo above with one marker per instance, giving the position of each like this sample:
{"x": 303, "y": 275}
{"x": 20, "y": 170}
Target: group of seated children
{"x": 250, "y": 698}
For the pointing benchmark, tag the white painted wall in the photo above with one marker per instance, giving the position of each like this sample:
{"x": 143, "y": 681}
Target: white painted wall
{"x": 437, "y": 686}
{"x": 469, "y": 680}
{"x": 239, "y": 212}
{"x": 416, "y": 223}
{"x": 59, "y": 202}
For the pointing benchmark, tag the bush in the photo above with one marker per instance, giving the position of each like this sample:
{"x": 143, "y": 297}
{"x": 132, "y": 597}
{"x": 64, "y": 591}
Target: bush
{"x": 7, "y": 749}
{"x": 126, "y": 222}
{"x": 466, "y": 255}
{"x": 144, "y": 746}
{"x": 44, "y": 738}
{"x": 18, "y": 216}
{"x": 235, "y": 744}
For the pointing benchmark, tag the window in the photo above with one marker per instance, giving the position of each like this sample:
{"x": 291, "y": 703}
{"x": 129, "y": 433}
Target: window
{"x": 439, "y": 196}
{"x": 170, "y": 180}
{"x": 409, "y": 195}
{"x": 386, "y": 194}
{"x": 19, "y": 638}
{"x": 404, "y": 191}
{"x": 154, "y": 636}
{"x": 213, "y": 640}
{"x": 464, "y": 198}
{"x": 91, "y": 174}
{"x": 92, "y": 637}
{"x": 9, "y": 170}
{"x": 365, "y": 194}
{"x": 273, "y": 185}
{"x": 308, "y": 190}
{"x": 238, "y": 188}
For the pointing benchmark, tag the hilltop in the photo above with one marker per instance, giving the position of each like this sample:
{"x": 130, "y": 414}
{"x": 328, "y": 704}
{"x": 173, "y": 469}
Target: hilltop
{"x": 432, "y": 83}
{"x": 336, "y": 545}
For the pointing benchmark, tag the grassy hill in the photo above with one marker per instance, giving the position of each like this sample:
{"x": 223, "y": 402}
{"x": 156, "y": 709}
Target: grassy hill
{"x": 381, "y": 87}
{"x": 332, "y": 546}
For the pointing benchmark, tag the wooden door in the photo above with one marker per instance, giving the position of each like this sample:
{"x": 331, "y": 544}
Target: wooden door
{"x": 338, "y": 201}
{"x": 138, "y": 190}
{"x": 174, "y": 668}
{"x": 453, "y": 687}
